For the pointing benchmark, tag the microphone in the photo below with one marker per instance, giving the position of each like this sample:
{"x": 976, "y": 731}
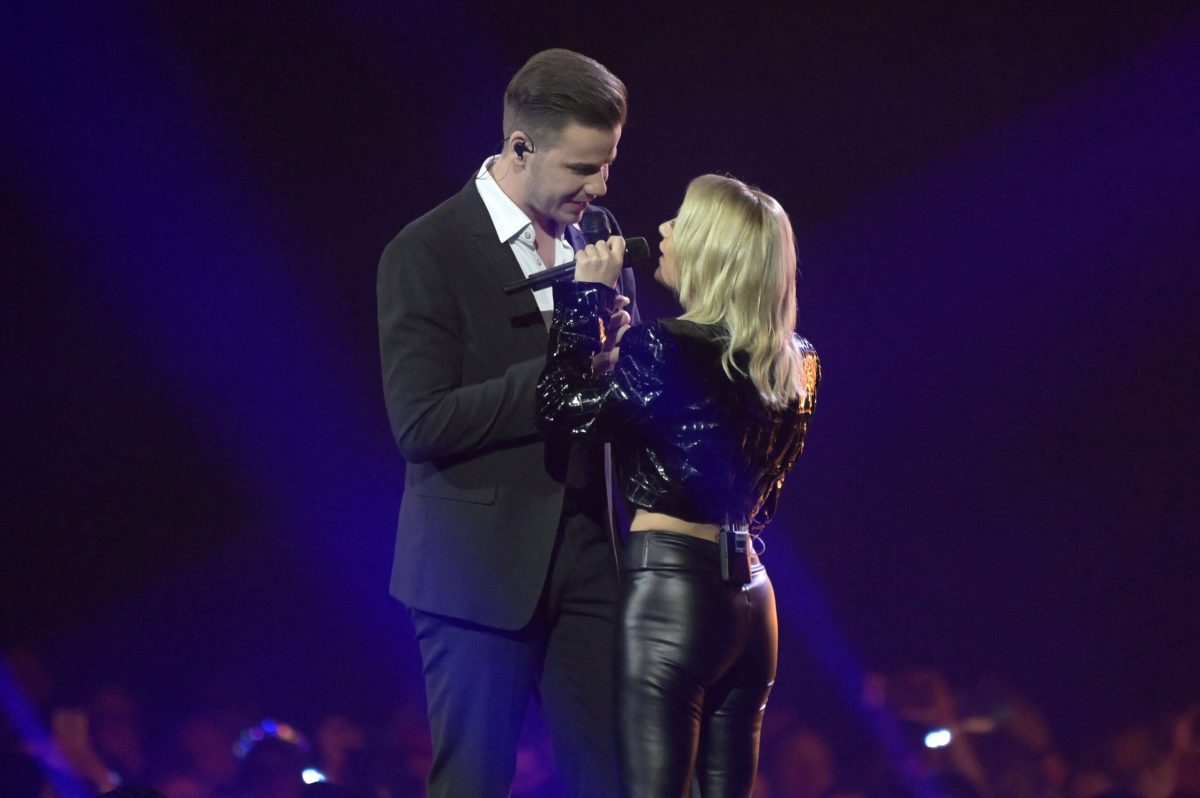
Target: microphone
{"x": 594, "y": 226}
{"x": 636, "y": 251}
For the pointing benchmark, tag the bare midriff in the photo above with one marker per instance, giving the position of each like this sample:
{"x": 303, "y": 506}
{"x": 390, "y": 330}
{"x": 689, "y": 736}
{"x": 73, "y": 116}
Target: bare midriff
{"x": 646, "y": 521}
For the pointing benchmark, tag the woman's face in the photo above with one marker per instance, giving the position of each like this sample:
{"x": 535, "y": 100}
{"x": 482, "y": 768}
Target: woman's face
{"x": 667, "y": 273}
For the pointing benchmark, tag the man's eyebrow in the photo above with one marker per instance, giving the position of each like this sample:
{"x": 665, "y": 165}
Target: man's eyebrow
{"x": 590, "y": 164}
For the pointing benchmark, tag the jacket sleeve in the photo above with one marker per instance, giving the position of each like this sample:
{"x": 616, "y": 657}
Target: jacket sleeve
{"x": 573, "y": 400}
{"x": 432, "y": 413}
{"x": 808, "y": 401}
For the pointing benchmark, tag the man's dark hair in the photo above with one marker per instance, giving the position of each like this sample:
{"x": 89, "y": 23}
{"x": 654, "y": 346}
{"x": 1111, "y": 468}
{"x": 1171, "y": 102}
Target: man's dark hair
{"x": 557, "y": 87}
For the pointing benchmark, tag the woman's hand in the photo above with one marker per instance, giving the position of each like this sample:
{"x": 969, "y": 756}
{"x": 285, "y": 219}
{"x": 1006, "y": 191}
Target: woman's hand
{"x": 600, "y": 262}
{"x": 618, "y": 323}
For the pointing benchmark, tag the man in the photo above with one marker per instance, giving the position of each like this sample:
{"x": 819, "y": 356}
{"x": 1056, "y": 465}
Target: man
{"x": 503, "y": 554}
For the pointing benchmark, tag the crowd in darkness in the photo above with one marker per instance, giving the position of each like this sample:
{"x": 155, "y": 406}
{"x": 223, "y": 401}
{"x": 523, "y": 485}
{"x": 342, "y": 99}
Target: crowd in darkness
{"x": 929, "y": 739}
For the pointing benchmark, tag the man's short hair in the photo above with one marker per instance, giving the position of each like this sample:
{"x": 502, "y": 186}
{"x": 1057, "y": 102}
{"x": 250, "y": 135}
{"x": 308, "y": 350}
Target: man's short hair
{"x": 557, "y": 87}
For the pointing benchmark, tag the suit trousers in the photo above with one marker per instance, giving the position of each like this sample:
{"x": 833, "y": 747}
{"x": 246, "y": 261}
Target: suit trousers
{"x": 695, "y": 662}
{"x": 478, "y": 680}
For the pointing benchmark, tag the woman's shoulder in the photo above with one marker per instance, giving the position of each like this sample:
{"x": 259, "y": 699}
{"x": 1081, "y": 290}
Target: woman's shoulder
{"x": 693, "y": 331}
{"x": 666, "y": 339}
{"x": 810, "y": 373}
{"x": 693, "y": 340}
{"x": 804, "y": 345}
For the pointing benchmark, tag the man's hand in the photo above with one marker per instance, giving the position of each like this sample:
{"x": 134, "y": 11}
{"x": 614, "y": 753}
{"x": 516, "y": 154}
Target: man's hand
{"x": 601, "y": 262}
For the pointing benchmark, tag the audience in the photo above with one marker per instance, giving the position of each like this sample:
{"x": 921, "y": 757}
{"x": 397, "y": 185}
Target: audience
{"x": 997, "y": 744}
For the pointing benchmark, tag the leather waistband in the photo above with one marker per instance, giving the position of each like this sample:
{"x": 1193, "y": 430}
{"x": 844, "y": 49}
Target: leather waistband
{"x": 674, "y": 550}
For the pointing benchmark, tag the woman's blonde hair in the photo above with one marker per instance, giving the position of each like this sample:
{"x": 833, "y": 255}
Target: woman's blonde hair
{"x": 736, "y": 257}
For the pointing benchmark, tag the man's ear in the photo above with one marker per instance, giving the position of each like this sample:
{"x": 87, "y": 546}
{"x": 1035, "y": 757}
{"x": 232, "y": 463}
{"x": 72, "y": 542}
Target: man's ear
{"x": 521, "y": 145}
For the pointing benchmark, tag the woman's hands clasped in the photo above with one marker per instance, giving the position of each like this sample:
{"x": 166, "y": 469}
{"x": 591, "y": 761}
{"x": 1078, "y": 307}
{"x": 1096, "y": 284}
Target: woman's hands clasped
{"x": 601, "y": 262}
{"x": 614, "y": 329}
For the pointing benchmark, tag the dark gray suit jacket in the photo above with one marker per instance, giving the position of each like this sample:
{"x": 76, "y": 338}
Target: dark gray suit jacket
{"x": 483, "y": 492}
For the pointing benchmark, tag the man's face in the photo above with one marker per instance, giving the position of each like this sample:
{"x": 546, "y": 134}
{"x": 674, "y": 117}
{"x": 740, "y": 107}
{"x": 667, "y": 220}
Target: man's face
{"x": 563, "y": 179}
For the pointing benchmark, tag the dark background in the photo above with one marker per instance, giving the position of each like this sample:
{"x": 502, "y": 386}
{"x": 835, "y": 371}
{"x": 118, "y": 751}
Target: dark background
{"x": 998, "y": 216}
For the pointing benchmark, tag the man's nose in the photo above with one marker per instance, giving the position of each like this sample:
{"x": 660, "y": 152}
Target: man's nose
{"x": 597, "y": 186}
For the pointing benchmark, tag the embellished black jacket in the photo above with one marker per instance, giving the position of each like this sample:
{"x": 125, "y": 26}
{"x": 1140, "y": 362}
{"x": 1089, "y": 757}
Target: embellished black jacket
{"x": 688, "y": 440}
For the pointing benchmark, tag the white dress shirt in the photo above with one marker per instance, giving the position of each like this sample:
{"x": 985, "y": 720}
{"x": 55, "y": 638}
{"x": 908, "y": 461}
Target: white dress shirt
{"x": 514, "y": 228}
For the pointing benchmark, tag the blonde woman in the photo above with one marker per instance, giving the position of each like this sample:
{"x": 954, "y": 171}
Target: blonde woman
{"x": 706, "y": 413}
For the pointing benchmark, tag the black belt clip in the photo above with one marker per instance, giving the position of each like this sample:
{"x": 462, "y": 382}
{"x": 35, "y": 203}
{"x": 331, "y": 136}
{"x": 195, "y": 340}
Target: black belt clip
{"x": 736, "y": 549}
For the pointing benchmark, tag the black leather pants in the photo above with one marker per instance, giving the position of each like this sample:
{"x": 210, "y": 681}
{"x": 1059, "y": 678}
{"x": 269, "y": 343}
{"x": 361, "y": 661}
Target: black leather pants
{"x": 695, "y": 661}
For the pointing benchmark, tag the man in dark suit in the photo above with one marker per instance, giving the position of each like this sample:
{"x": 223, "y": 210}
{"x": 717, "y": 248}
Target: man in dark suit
{"x": 504, "y": 555}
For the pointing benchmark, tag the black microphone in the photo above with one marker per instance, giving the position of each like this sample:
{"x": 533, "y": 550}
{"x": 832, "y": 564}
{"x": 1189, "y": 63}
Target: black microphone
{"x": 636, "y": 251}
{"x": 594, "y": 226}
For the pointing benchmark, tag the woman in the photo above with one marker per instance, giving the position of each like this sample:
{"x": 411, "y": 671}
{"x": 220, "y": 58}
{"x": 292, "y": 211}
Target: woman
{"x": 706, "y": 414}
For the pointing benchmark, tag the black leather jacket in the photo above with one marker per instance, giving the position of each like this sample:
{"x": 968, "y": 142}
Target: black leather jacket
{"x": 688, "y": 441}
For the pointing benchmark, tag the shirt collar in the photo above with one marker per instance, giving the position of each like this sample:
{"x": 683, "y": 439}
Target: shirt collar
{"x": 508, "y": 219}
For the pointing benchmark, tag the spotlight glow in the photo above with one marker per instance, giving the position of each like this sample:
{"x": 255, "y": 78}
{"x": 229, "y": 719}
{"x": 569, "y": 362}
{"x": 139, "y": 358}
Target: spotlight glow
{"x": 938, "y": 738}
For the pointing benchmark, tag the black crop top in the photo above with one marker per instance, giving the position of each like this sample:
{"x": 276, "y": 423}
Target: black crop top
{"x": 688, "y": 441}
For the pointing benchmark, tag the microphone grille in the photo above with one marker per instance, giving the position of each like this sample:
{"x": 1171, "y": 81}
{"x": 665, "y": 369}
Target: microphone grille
{"x": 594, "y": 226}
{"x": 636, "y": 250}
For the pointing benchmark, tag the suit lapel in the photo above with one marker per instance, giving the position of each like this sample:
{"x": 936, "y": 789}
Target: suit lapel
{"x": 503, "y": 268}
{"x": 576, "y": 239}
{"x": 501, "y": 264}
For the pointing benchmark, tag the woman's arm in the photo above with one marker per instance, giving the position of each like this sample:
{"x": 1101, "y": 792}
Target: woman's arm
{"x": 578, "y": 393}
